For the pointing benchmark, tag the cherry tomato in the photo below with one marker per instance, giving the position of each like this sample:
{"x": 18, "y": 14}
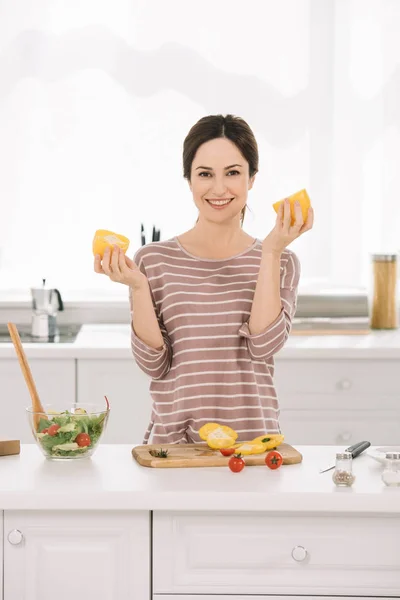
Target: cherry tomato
{"x": 45, "y": 430}
{"x": 53, "y": 429}
{"x": 236, "y": 463}
{"x": 227, "y": 451}
{"x": 83, "y": 439}
{"x": 274, "y": 459}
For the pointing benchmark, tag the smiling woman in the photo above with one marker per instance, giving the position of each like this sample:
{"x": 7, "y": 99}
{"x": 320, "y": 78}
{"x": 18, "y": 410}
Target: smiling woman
{"x": 212, "y": 306}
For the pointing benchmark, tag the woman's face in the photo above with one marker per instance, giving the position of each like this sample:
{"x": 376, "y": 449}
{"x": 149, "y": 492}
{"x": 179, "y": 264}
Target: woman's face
{"x": 220, "y": 180}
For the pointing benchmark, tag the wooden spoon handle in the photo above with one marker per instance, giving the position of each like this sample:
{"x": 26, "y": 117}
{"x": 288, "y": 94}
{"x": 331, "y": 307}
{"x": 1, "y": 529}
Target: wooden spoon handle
{"x": 26, "y": 371}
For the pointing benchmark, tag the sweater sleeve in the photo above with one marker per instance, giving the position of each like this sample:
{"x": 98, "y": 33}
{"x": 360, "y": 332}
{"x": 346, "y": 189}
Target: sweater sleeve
{"x": 267, "y": 343}
{"x": 155, "y": 363}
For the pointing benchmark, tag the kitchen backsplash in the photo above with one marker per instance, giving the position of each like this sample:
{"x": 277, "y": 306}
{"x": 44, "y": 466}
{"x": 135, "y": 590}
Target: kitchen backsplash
{"x": 321, "y": 305}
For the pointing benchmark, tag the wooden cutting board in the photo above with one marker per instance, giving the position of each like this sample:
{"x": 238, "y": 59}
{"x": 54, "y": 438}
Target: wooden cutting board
{"x": 8, "y": 447}
{"x": 200, "y": 455}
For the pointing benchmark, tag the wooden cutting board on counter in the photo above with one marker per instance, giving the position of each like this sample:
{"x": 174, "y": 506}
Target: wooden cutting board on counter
{"x": 200, "y": 455}
{"x": 9, "y": 447}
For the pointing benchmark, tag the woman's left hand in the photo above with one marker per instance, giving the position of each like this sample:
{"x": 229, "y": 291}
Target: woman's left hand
{"x": 283, "y": 233}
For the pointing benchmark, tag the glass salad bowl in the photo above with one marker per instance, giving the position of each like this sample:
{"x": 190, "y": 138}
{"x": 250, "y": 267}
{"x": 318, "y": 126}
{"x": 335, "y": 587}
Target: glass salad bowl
{"x": 68, "y": 434}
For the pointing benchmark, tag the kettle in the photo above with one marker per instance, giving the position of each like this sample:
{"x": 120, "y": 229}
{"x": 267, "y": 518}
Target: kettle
{"x": 46, "y": 302}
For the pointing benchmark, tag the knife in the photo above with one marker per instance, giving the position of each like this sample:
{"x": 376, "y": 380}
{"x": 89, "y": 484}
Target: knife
{"x": 354, "y": 450}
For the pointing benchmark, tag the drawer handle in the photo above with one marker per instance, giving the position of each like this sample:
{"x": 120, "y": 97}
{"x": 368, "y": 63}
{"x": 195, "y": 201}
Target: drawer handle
{"x": 15, "y": 537}
{"x": 345, "y": 384}
{"x": 299, "y": 553}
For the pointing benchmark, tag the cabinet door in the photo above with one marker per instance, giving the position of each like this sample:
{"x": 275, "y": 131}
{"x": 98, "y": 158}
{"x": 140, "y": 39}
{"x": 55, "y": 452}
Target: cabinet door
{"x": 65, "y": 555}
{"x": 127, "y": 389}
{"x": 55, "y": 383}
{"x": 341, "y": 428}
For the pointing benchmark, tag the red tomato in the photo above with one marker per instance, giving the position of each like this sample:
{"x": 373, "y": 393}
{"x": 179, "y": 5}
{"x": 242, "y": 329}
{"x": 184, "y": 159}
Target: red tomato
{"x": 83, "y": 439}
{"x": 236, "y": 463}
{"x": 53, "y": 429}
{"x": 227, "y": 451}
{"x": 274, "y": 459}
{"x": 45, "y": 430}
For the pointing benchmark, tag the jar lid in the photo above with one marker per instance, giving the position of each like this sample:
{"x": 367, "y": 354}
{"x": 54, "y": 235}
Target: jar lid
{"x": 385, "y": 257}
{"x": 344, "y": 455}
{"x": 393, "y": 455}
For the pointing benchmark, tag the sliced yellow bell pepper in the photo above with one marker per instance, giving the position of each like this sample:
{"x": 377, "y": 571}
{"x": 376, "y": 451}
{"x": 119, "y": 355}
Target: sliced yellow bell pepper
{"x": 218, "y": 436}
{"x": 221, "y": 437}
{"x": 207, "y": 429}
{"x": 247, "y": 448}
{"x": 275, "y": 439}
{"x": 254, "y": 446}
{"x": 305, "y": 204}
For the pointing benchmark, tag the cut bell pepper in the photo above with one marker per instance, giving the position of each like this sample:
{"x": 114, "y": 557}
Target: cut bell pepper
{"x": 247, "y": 448}
{"x": 221, "y": 437}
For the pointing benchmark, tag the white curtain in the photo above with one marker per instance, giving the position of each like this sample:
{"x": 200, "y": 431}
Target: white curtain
{"x": 96, "y": 98}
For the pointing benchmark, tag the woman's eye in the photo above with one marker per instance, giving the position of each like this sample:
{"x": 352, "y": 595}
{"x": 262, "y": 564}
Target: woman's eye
{"x": 207, "y": 173}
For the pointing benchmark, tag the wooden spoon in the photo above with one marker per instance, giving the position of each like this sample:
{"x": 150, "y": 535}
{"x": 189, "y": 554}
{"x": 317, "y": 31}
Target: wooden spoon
{"x": 26, "y": 371}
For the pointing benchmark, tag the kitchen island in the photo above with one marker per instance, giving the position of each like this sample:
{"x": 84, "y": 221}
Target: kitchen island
{"x": 130, "y": 532}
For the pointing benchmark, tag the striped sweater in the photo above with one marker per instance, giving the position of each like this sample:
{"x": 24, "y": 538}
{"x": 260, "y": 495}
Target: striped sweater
{"x": 210, "y": 367}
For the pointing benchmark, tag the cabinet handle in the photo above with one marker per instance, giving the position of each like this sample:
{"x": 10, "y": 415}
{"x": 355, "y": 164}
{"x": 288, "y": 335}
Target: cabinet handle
{"x": 299, "y": 553}
{"x": 345, "y": 384}
{"x": 15, "y": 537}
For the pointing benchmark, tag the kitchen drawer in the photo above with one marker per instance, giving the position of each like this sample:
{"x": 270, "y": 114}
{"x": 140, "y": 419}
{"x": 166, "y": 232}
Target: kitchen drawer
{"x": 208, "y": 553}
{"x": 341, "y": 428}
{"x": 338, "y": 401}
{"x": 347, "y": 377}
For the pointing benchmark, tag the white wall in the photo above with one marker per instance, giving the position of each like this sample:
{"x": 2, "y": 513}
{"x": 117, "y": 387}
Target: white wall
{"x": 96, "y": 98}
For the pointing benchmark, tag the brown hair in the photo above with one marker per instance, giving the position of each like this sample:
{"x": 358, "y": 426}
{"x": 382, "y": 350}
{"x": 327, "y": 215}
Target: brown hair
{"x": 212, "y": 127}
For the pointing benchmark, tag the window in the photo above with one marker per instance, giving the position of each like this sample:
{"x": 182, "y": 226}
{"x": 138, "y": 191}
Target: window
{"x": 97, "y": 97}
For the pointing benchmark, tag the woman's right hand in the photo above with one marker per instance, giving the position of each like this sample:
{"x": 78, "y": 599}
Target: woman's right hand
{"x": 120, "y": 268}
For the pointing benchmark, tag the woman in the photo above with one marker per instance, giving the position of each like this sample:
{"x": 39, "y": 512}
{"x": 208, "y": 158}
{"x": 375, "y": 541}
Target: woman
{"x": 212, "y": 306}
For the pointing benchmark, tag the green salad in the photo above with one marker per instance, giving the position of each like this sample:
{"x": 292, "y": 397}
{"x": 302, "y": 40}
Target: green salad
{"x": 70, "y": 434}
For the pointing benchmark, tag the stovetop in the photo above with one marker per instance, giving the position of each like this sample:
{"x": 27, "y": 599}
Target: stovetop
{"x": 67, "y": 334}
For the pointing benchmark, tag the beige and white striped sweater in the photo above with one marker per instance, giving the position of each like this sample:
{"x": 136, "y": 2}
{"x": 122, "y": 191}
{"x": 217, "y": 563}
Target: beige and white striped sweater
{"x": 211, "y": 368}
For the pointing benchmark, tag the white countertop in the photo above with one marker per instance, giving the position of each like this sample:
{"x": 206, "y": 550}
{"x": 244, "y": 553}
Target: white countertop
{"x": 113, "y": 342}
{"x": 112, "y": 480}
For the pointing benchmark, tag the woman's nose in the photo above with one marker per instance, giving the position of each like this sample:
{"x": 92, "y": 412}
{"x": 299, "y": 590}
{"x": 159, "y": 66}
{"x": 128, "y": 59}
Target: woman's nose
{"x": 219, "y": 187}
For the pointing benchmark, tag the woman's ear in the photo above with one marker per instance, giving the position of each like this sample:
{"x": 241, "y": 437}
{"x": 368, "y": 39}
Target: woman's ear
{"x": 251, "y": 181}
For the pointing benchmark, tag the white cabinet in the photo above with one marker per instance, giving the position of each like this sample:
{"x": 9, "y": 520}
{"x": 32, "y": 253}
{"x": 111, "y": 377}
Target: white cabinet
{"x": 269, "y": 597}
{"x": 127, "y": 389}
{"x": 55, "y": 383}
{"x": 64, "y": 555}
{"x": 288, "y": 555}
{"x": 1, "y": 553}
{"x": 339, "y": 402}
{"x": 341, "y": 428}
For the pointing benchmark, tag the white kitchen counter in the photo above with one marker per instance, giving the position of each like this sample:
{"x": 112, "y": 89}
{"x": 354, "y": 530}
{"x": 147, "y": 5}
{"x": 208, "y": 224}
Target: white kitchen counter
{"x": 113, "y": 341}
{"x": 112, "y": 480}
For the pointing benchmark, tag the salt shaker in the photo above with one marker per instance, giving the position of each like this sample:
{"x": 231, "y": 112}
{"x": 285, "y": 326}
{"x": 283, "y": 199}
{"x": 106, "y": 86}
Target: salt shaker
{"x": 391, "y": 472}
{"x": 343, "y": 474}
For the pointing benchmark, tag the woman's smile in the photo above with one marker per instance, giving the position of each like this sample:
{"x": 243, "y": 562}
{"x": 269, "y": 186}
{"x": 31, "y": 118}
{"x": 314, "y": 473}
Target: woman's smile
{"x": 220, "y": 203}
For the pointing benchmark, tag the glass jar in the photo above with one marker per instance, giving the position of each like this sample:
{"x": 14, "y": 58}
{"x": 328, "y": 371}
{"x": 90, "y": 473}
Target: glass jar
{"x": 391, "y": 472}
{"x": 343, "y": 473}
{"x": 383, "y": 298}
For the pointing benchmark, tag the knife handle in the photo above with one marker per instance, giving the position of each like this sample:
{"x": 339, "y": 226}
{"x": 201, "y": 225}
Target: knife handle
{"x": 358, "y": 448}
